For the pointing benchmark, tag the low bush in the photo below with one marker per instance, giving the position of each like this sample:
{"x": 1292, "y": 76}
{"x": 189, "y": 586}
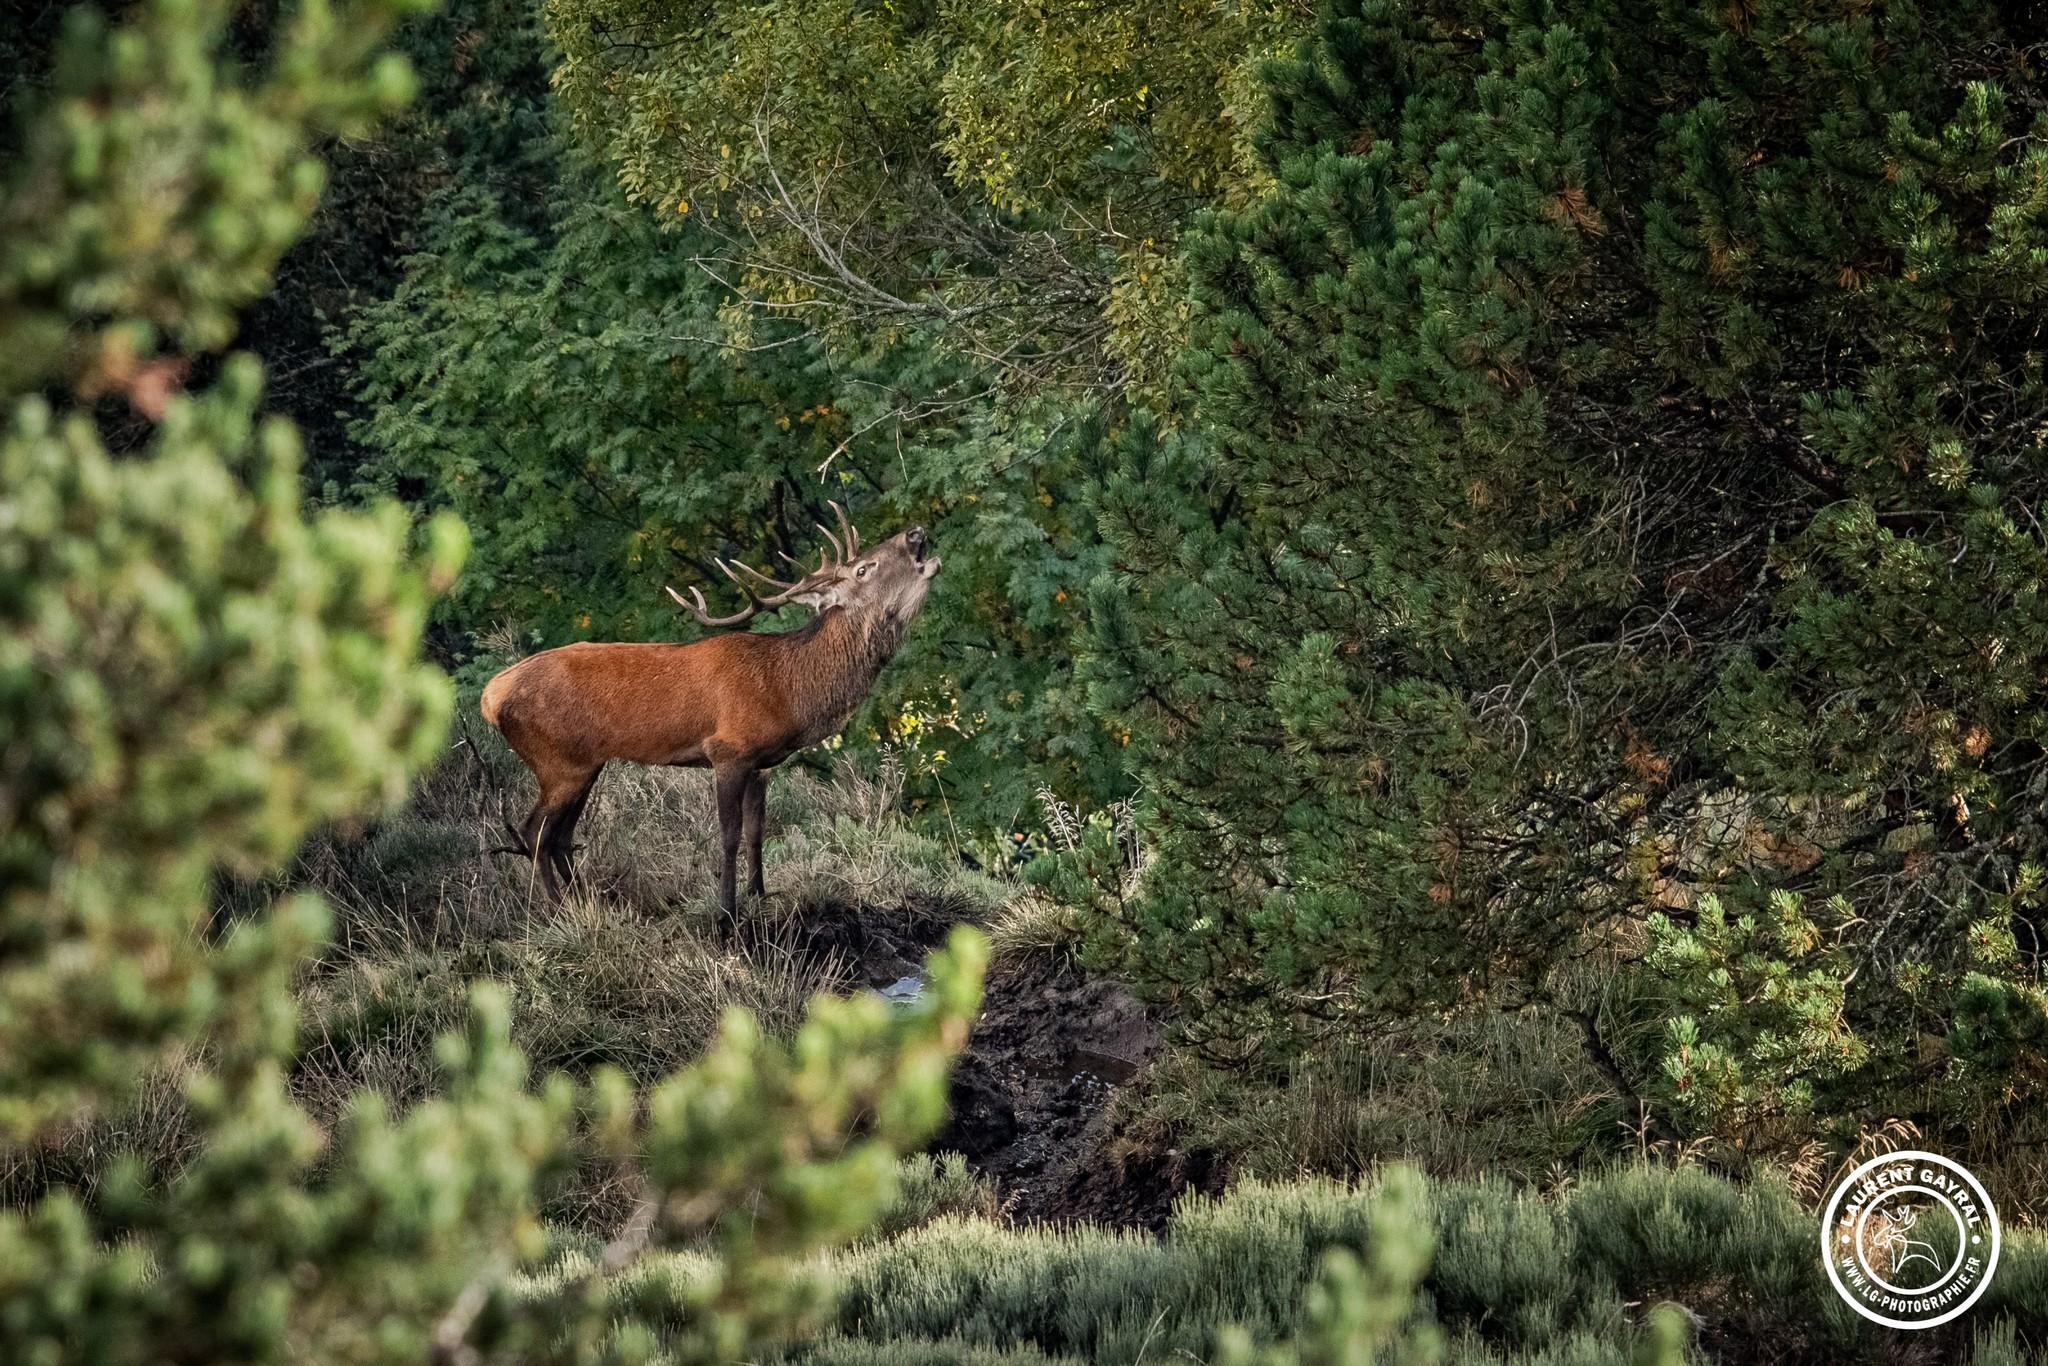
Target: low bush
{"x": 837, "y": 1351}
{"x": 1515, "y": 1277}
{"x": 936, "y": 1185}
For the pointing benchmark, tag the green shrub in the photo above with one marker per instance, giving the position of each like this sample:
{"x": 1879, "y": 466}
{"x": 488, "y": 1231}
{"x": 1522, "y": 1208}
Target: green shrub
{"x": 2019, "y": 1288}
{"x": 1359, "y": 1309}
{"x": 1514, "y": 1260}
{"x": 1998, "y": 1346}
{"x": 930, "y": 1187}
{"x": 1648, "y": 1232}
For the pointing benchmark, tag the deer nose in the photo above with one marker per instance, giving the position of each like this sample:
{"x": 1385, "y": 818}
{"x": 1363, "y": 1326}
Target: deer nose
{"x": 914, "y": 538}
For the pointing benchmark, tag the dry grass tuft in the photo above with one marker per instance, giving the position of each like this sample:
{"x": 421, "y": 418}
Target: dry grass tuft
{"x": 1032, "y": 924}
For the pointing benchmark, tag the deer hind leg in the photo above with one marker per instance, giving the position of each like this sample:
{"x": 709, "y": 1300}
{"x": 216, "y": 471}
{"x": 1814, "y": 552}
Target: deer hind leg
{"x": 529, "y": 841}
{"x": 731, "y": 786}
{"x": 561, "y": 837}
{"x": 542, "y": 838}
{"x": 754, "y": 814}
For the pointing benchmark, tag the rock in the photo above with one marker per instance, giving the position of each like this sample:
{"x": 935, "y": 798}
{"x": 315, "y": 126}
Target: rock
{"x": 904, "y": 990}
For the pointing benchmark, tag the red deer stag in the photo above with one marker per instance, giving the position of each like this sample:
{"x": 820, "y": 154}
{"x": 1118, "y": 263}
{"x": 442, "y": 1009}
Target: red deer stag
{"x": 738, "y": 703}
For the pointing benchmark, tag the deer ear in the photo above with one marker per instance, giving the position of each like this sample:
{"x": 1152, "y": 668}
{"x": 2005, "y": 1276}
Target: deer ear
{"x": 821, "y": 596}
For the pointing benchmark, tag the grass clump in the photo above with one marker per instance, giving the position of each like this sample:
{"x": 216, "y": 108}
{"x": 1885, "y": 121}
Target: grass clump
{"x": 649, "y": 848}
{"x": 840, "y": 1351}
{"x": 589, "y": 987}
{"x": 1033, "y": 924}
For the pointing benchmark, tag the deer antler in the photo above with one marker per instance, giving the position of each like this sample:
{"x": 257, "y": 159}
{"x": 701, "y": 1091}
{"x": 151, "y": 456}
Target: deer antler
{"x": 704, "y": 613}
{"x": 780, "y": 591}
{"x": 847, "y": 543}
{"x": 776, "y": 584}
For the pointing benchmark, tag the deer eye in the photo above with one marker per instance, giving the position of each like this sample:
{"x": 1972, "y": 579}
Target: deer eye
{"x": 862, "y": 572}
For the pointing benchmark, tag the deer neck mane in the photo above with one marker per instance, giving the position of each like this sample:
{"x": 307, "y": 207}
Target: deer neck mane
{"x": 833, "y": 662}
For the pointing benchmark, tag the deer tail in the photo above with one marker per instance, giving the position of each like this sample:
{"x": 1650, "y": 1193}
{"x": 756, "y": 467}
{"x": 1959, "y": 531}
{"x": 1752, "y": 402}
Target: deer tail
{"x": 492, "y": 703}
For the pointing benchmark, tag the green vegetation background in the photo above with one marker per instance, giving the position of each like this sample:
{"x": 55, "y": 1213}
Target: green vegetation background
{"x": 1513, "y": 526}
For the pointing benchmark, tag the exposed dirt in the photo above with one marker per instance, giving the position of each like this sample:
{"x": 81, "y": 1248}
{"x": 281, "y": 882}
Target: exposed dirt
{"x": 1032, "y": 1096}
{"x": 1032, "y": 1101}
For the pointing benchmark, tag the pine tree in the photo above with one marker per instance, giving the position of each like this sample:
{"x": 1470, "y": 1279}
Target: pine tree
{"x": 1613, "y": 481}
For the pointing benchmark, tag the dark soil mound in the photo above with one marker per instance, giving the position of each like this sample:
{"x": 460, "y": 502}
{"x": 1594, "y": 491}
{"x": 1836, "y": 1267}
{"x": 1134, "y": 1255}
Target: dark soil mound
{"x": 1032, "y": 1101}
{"x": 1031, "y": 1097}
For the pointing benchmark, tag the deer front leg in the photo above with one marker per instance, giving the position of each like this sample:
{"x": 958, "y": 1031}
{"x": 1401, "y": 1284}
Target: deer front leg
{"x": 755, "y": 810}
{"x": 731, "y": 785}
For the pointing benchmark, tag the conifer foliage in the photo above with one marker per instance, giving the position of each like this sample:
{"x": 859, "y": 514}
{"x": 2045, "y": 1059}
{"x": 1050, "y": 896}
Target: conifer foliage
{"x": 1620, "y": 453}
{"x": 192, "y": 675}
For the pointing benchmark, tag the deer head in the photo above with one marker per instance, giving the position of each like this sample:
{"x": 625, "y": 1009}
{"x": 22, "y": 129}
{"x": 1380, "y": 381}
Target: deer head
{"x": 887, "y": 582}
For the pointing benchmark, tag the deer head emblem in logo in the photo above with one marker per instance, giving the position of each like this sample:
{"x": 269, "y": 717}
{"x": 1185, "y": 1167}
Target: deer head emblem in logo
{"x": 1893, "y": 1237}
